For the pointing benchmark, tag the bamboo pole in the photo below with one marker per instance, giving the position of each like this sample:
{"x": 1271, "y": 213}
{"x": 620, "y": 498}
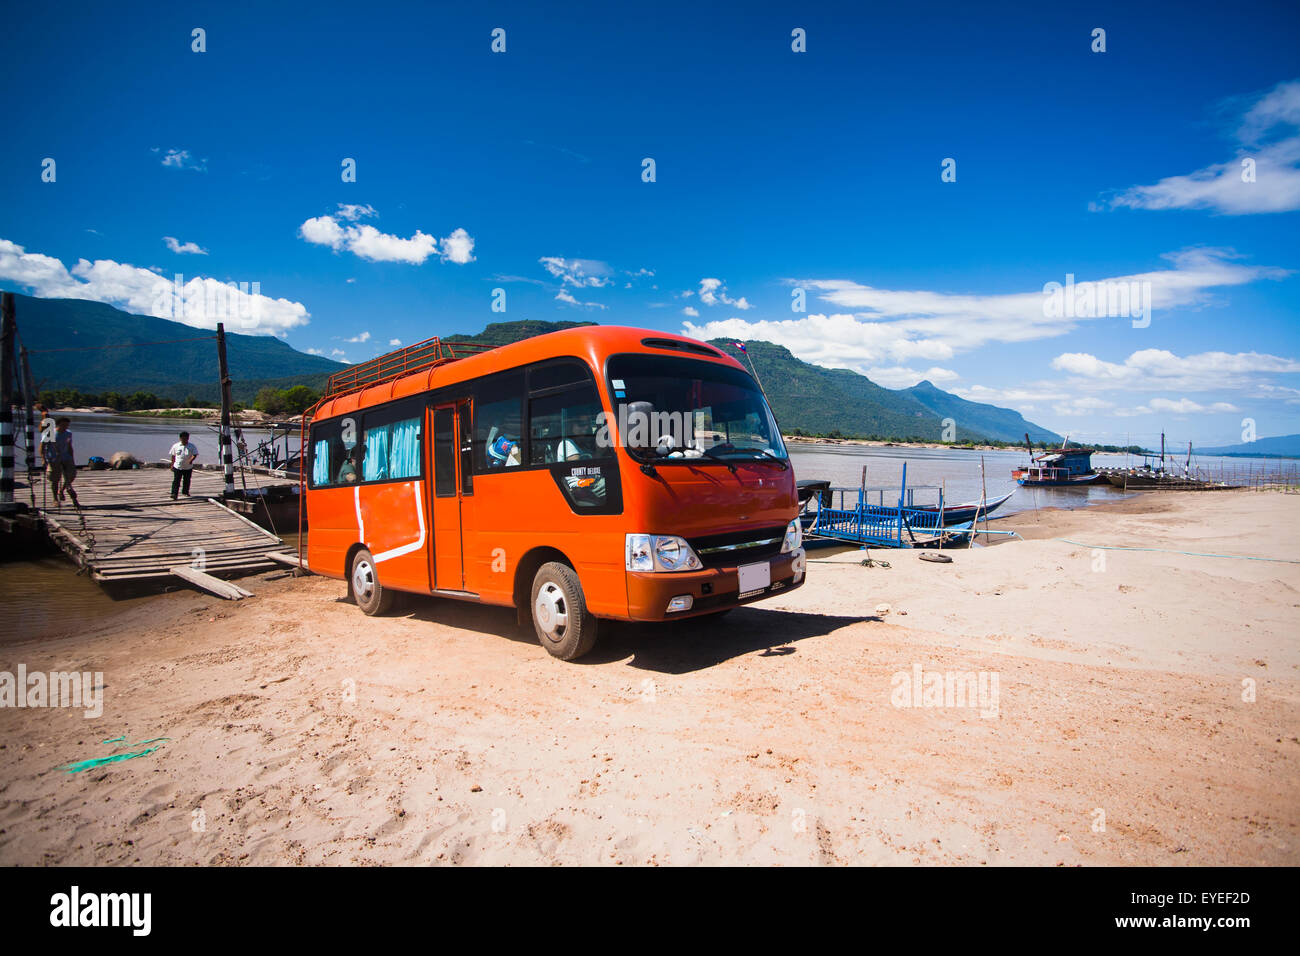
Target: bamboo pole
{"x": 6, "y": 399}
{"x": 227, "y": 461}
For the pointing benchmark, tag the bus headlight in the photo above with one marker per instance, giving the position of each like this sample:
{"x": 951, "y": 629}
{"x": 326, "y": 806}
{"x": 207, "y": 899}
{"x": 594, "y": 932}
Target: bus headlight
{"x": 793, "y": 537}
{"x": 660, "y": 552}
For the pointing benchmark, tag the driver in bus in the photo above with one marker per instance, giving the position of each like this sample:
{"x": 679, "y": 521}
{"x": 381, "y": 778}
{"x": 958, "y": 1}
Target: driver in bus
{"x": 584, "y": 489}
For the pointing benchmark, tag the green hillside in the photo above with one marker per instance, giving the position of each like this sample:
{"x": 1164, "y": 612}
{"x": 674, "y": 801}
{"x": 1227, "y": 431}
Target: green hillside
{"x": 176, "y": 370}
{"x": 1001, "y": 424}
{"x": 825, "y": 401}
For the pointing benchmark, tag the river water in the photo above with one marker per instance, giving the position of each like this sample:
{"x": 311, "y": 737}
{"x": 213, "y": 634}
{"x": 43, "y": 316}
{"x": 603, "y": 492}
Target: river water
{"x": 146, "y": 438}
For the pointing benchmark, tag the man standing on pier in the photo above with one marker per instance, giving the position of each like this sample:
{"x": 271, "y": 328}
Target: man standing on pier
{"x": 182, "y": 455}
{"x": 63, "y": 462}
{"x": 47, "y": 436}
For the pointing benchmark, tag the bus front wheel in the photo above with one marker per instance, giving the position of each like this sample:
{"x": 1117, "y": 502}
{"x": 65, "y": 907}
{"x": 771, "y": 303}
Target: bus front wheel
{"x": 371, "y": 596}
{"x": 564, "y": 625}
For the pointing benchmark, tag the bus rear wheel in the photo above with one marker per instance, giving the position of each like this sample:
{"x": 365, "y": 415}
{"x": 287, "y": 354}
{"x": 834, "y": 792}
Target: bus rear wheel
{"x": 371, "y": 596}
{"x": 564, "y": 625}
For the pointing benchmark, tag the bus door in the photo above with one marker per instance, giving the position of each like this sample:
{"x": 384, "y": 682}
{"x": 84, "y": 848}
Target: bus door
{"x": 452, "y": 483}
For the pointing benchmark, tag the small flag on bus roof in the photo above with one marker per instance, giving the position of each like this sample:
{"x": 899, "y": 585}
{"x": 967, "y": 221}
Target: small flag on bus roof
{"x": 741, "y": 346}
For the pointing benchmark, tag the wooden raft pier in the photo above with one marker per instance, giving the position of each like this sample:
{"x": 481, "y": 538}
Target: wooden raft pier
{"x": 128, "y": 529}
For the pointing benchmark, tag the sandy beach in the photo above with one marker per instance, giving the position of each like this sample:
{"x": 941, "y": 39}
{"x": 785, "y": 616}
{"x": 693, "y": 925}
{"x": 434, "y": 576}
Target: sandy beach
{"x": 1143, "y": 708}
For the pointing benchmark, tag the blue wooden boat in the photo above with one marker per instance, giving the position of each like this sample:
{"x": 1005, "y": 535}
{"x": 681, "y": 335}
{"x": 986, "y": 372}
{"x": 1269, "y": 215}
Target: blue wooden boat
{"x": 894, "y": 526}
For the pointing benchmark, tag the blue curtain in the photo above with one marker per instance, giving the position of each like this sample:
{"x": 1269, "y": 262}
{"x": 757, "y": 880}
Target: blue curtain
{"x": 404, "y": 461}
{"x": 375, "y": 465}
{"x": 392, "y": 451}
{"x": 320, "y": 464}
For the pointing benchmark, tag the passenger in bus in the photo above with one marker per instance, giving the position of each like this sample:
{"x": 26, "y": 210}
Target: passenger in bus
{"x": 350, "y": 470}
{"x": 503, "y": 451}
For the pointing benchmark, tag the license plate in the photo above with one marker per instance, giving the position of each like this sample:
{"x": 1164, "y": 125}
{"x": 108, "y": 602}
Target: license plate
{"x": 755, "y": 577}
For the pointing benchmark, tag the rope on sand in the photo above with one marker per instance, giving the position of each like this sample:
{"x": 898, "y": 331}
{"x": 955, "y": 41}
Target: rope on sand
{"x": 1194, "y": 554}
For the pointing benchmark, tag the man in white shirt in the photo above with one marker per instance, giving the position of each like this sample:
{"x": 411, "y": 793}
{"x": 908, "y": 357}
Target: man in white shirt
{"x": 47, "y": 436}
{"x": 182, "y": 455}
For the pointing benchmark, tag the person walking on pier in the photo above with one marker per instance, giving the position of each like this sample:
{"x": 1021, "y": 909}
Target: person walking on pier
{"x": 47, "y": 436}
{"x": 182, "y": 455}
{"x": 63, "y": 462}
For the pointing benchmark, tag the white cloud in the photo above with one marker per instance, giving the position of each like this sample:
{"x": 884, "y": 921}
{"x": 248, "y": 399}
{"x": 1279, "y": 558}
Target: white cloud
{"x": 323, "y": 231}
{"x": 363, "y": 337}
{"x": 1159, "y": 369}
{"x": 891, "y": 326}
{"x": 1268, "y": 134}
{"x": 714, "y": 292}
{"x": 1082, "y": 406}
{"x": 354, "y": 211}
{"x": 565, "y": 296}
{"x": 1016, "y": 397}
{"x": 199, "y": 302}
{"x": 1183, "y": 406}
{"x": 395, "y": 342}
{"x": 184, "y": 248}
{"x": 458, "y": 247}
{"x": 690, "y": 310}
{"x": 315, "y": 352}
{"x": 579, "y": 273}
{"x": 899, "y": 377}
{"x": 181, "y": 159}
{"x": 367, "y": 242}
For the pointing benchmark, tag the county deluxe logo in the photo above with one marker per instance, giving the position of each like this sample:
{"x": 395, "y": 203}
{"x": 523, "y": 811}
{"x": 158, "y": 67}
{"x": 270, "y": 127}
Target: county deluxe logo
{"x": 103, "y": 909}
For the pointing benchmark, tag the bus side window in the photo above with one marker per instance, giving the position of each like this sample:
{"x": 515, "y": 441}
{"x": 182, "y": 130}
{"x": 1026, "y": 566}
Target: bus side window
{"x": 498, "y": 422}
{"x": 564, "y": 420}
{"x": 327, "y": 454}
{"x": 564, "y": 426}
{"x": 391, "y": 445}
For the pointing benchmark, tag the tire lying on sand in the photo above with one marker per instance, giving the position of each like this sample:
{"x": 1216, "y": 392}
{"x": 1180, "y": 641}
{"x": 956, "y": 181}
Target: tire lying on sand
{"x": 935, "y": 557}
{"x": 563, "y": 624}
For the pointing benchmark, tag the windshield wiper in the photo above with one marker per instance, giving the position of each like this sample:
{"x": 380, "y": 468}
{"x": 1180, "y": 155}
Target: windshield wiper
{"x": 705, "y": 453}
{"x": 766, "y": 454}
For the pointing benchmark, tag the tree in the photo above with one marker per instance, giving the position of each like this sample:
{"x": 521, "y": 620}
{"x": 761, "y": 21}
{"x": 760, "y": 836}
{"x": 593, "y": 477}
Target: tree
{"x": 269, "y": 400}
{"x": 298, "y": 399}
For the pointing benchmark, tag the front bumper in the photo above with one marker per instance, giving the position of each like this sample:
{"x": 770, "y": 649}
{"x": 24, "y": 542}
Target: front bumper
{"x": 712, "y": 589}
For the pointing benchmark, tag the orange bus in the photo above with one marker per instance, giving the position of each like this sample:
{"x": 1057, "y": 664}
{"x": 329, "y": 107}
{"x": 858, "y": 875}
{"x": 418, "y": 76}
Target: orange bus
{"x": 586, "y": 474}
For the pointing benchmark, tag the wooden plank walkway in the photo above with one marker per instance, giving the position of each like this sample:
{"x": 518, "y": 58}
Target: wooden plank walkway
{"x": 128, "y": 528}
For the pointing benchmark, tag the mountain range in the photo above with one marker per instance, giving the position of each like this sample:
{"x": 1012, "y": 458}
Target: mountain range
{"x": 1279, "y": 446}
{"x": 73, "y": 343}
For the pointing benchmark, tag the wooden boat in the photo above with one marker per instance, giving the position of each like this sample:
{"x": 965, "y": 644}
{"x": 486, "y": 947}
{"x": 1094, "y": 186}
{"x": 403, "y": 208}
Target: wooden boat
{"x": 1152, "y": 477}
{"x": 1064, "y": 468}
{"x": 928, "y": 517}
{"x": 1040, "y": 476}
{"x": 1139, "y": 480}
{"x": 917, "y": 517}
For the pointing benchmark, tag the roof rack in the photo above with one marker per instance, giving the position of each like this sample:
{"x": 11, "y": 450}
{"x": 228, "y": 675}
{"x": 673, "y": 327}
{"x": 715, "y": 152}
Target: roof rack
{"x": 414, "y": 358}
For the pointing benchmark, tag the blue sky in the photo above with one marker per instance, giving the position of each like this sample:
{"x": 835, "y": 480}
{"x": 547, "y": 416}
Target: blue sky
{"x": 774, "y": 171}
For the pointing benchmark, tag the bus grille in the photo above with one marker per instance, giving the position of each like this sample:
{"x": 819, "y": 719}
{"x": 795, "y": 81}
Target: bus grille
{"x": 739, "y": 547}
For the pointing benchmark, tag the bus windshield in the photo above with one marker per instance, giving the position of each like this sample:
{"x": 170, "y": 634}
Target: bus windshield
{"x": 681, "y": 409}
